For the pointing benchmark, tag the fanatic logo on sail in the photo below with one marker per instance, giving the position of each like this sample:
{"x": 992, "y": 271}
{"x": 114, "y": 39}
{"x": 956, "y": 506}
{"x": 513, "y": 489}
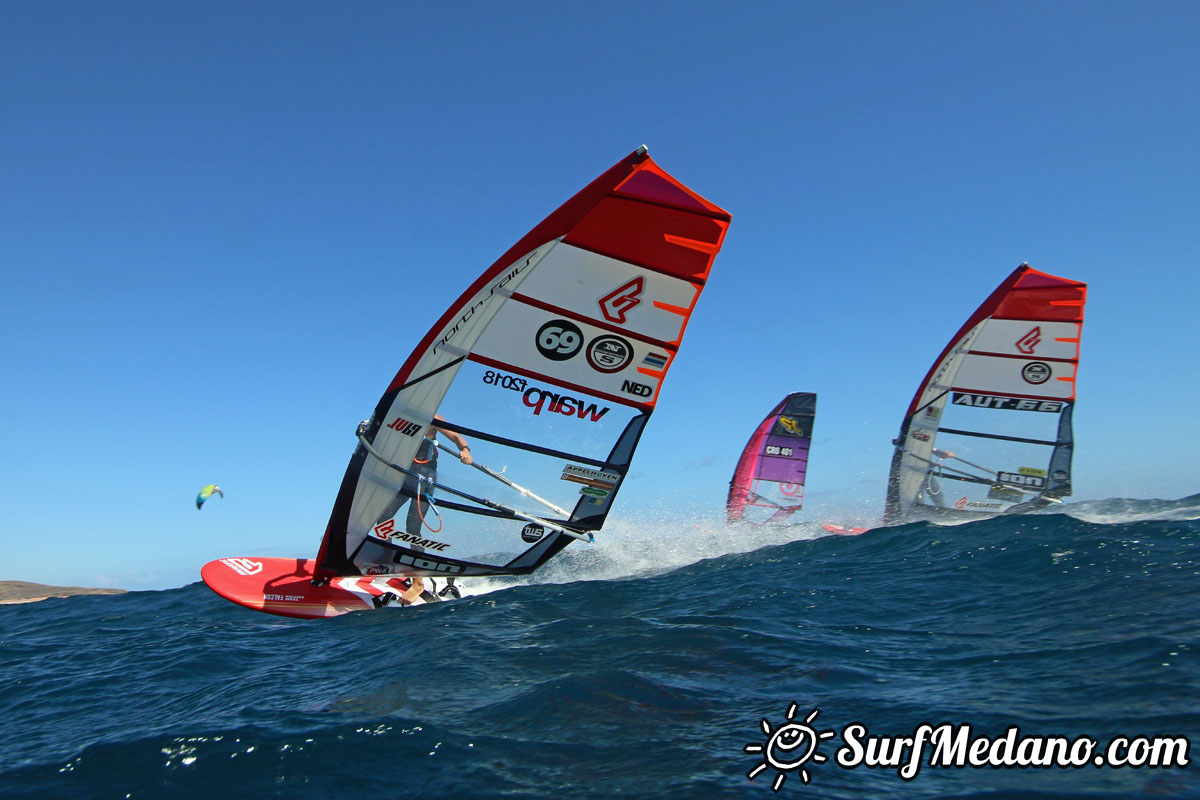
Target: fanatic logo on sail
{"x": 1029, "y": 342}
{"x": 616, "y": 304}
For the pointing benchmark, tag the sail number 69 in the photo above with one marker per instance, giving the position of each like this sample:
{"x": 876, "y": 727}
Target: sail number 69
{"x": 559, "y": 340}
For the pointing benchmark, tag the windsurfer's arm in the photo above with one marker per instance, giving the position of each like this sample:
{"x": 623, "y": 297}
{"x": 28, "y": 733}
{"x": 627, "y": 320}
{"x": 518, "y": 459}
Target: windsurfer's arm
{"x": 464, "y": 449}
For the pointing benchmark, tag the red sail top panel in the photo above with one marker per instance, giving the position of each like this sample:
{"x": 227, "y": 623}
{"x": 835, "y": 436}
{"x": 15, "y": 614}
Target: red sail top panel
{"x": 1040, "y": 296}
{"x": 655, "y": 237}
{"x": 650, "y": 182}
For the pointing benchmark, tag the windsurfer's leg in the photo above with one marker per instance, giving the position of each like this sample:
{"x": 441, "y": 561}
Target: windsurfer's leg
{"x": 416, "y": 512}
{"x": 419, "y": 510}
{"x": 413, "y": 522}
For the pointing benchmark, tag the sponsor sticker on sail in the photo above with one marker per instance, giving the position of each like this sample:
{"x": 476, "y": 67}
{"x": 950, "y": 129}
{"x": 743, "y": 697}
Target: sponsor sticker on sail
{"x": 590, "y": 477}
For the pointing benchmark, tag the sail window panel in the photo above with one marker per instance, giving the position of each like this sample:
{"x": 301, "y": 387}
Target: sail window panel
{"x": 770, "y": 501}
{"x": 542, "y": 345}
{"x": 534, "y": 412}
{"x": 399, "y": 435}
{"x": 445, "y": 534}
{"x": 1000, "y": 416}
{"x": 1011, "y": 466}
{"x": 613, "y": 292}
{"x": 1032, "y": 339}
{"x": 801, "y": 404}
{"x": 511, "y": 423}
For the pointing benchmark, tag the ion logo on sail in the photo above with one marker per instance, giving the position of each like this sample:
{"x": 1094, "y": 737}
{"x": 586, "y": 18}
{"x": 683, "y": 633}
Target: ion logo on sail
{"x": 615, "y": 305}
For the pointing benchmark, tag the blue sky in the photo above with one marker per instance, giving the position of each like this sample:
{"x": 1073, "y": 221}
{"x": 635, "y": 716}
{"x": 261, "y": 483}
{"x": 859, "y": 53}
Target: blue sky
{"x": 225, "y": 225}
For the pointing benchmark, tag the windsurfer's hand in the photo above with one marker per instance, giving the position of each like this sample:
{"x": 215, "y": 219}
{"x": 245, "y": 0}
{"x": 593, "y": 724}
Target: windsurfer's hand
{"x": 465, "y": 455}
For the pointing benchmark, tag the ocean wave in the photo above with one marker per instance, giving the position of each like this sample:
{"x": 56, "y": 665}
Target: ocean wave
{"x": 642, "y": 665}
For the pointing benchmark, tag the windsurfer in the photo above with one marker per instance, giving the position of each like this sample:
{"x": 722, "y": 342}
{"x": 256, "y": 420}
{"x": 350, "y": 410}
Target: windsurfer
{"x": 425, "y": 465}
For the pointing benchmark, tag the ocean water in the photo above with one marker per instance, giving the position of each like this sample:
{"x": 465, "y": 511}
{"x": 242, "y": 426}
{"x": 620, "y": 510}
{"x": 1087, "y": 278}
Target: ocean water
{"x": 640, "y": 668}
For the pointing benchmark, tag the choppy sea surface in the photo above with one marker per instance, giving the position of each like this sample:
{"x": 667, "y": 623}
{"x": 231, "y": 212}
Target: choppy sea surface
{"x": 642, "y": 667}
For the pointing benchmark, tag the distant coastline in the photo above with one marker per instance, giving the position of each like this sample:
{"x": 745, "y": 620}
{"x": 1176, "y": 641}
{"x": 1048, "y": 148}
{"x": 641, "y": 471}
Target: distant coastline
{"x": 26, "y": 592}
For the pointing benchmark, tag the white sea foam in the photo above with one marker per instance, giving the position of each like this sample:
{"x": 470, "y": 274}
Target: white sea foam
{"x": 645, "y": 544}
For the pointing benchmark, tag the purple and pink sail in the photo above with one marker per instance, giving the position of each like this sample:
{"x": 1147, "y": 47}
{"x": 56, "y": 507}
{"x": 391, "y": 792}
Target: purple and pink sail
{"x": 768, "y": 482}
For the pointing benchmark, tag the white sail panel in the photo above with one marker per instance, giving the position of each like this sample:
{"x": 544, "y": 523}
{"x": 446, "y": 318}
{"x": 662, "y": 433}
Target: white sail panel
{"x": 613, "y": 292}
{"x": 1032, "y": 378}
{"x": 547, "y": 345}
{"x": 1023, "y": 338}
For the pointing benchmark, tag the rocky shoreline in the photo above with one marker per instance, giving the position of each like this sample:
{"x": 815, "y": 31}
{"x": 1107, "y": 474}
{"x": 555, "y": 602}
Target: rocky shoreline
{"x": 26, "y": 592}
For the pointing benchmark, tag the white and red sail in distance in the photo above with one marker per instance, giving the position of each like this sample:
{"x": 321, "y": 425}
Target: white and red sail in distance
{"x": 989, "y": 429}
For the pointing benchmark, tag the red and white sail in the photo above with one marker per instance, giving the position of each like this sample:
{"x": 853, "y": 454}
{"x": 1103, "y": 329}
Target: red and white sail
{"x": 549, "y": 365}
{"x": 989, "y": 429}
